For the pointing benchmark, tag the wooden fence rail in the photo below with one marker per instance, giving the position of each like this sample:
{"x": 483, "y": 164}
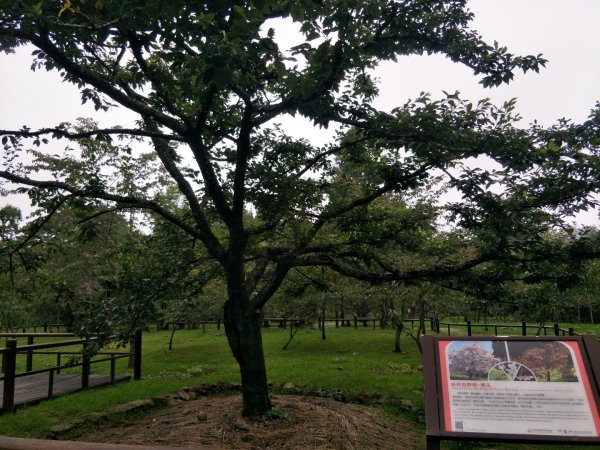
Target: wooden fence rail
{"x": 10, "y": 352}
{"x": 554, "y": 329}
{"x": 283, "y": 322}
{"x": 47, "y": 327}
{"x": 13, "y": 443}
{"x": 433, "y": 324}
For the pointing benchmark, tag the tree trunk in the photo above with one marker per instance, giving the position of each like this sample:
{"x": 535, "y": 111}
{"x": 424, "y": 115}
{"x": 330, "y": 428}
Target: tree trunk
{"x": 171, "y": 339}
{"x": 323, "y": 337}
{"x": 244, "y": 335}
{"x": 397, "y": 348}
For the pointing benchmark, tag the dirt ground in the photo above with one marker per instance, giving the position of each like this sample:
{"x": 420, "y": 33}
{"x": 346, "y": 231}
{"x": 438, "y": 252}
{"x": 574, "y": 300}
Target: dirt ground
{"x": 300, "y": 423}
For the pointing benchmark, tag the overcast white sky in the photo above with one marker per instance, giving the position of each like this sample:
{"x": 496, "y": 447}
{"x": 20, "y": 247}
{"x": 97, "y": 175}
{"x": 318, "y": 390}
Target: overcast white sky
{"x": 565, "y": 31}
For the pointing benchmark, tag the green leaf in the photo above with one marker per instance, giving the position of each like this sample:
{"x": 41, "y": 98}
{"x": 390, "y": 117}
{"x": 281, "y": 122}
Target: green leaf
{"x": 37, "y": 8}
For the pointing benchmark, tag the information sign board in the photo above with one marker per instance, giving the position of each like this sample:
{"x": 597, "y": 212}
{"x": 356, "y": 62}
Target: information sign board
{"x": 511, "y": 389}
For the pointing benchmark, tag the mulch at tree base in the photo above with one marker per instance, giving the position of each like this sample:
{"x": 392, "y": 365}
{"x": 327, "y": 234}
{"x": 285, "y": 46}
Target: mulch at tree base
{"x": 303, "y": 423}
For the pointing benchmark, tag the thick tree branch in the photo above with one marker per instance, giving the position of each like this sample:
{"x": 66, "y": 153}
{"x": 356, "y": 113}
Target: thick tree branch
{"x": 61, "y": 132}
{"x": 211, "y": 180}
{"x": 205, "y": 106}
{"x": 311, "y": 163}
{"x": 436, "y": 271}
{"x": 241, "y": 163}
{"x": 255, "y": 275}
{"x": 165, "y": 153}
{"x": 265, "y": 227}
{"x": 152, "y": 76}
{"x": 295, "y": 100}
{"x": 337, "y": 212}
{"x": 135, "y": 103}
{"x": 130, "y": 201}
{"x": 39, "y": 224}
{"x": 103, "y": 212}
{"x": 271, "y": 285}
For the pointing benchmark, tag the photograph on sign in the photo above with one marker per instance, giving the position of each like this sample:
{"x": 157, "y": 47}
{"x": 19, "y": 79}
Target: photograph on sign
{"x": 517, "y": 387}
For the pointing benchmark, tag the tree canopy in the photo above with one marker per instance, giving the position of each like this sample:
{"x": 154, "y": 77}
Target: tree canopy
{"x": 208, "y": 81}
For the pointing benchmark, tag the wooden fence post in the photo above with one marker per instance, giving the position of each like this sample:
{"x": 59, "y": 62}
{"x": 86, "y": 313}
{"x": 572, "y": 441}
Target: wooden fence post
{"x": 556, "y": 330}
{"x": 9, "y": 362}
{"x": 51, "y": 383}
{"x": 433, "y": 442}
{"x": 85, "y": 368}
{"x": 137, "y": 353}
{"x": 112, "y": 368}
{"x": 131, "y": 359}
{"x": 29, "y": 364}
{"x": 523, "y": 328}
{"x": 468, "y": 328}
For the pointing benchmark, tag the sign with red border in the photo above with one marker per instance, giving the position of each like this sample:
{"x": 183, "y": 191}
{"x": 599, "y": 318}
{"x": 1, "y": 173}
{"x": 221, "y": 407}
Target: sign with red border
{"x": 511, "y": 388}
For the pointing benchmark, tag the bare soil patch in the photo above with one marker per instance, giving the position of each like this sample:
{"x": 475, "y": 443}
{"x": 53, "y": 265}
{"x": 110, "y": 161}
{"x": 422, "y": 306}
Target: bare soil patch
{"x": 305, "y": 423}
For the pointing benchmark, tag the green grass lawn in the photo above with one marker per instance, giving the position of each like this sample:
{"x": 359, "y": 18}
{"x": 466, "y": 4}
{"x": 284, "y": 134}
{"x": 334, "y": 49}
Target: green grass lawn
{"x": 352, "y": 364}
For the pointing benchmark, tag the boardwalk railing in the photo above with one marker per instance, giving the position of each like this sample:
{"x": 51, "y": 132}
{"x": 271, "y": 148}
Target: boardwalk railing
{"x": 77, "y": 359}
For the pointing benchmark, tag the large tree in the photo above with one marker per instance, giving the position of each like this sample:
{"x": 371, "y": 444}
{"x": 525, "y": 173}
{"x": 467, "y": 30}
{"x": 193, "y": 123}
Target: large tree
{"x": 471, "y": 360}
{"x": 207, "y": 80}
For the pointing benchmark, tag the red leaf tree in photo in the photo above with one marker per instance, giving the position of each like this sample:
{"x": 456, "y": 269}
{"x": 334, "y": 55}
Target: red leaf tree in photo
{"x": 553, "y": 357}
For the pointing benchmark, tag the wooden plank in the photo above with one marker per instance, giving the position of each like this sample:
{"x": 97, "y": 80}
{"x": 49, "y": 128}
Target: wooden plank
{"x": 593, "y": 350}
{"x": 430, "y": 387}
{"x": 12, "y": 443}
{"x": 34, "y": 388}
{"x": 18, "y": 335}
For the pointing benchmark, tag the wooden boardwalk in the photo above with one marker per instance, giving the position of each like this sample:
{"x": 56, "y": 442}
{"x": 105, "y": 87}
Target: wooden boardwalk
{"x": 34, "y": 388}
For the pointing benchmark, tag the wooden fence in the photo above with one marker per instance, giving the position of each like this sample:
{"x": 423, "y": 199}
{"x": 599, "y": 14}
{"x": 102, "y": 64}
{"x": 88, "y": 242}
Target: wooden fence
{"x": 44, "y": 327}
{"x": 469, "y": 327}
{"x": 524, "y": 328}
{"x": 77, "y": 359}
